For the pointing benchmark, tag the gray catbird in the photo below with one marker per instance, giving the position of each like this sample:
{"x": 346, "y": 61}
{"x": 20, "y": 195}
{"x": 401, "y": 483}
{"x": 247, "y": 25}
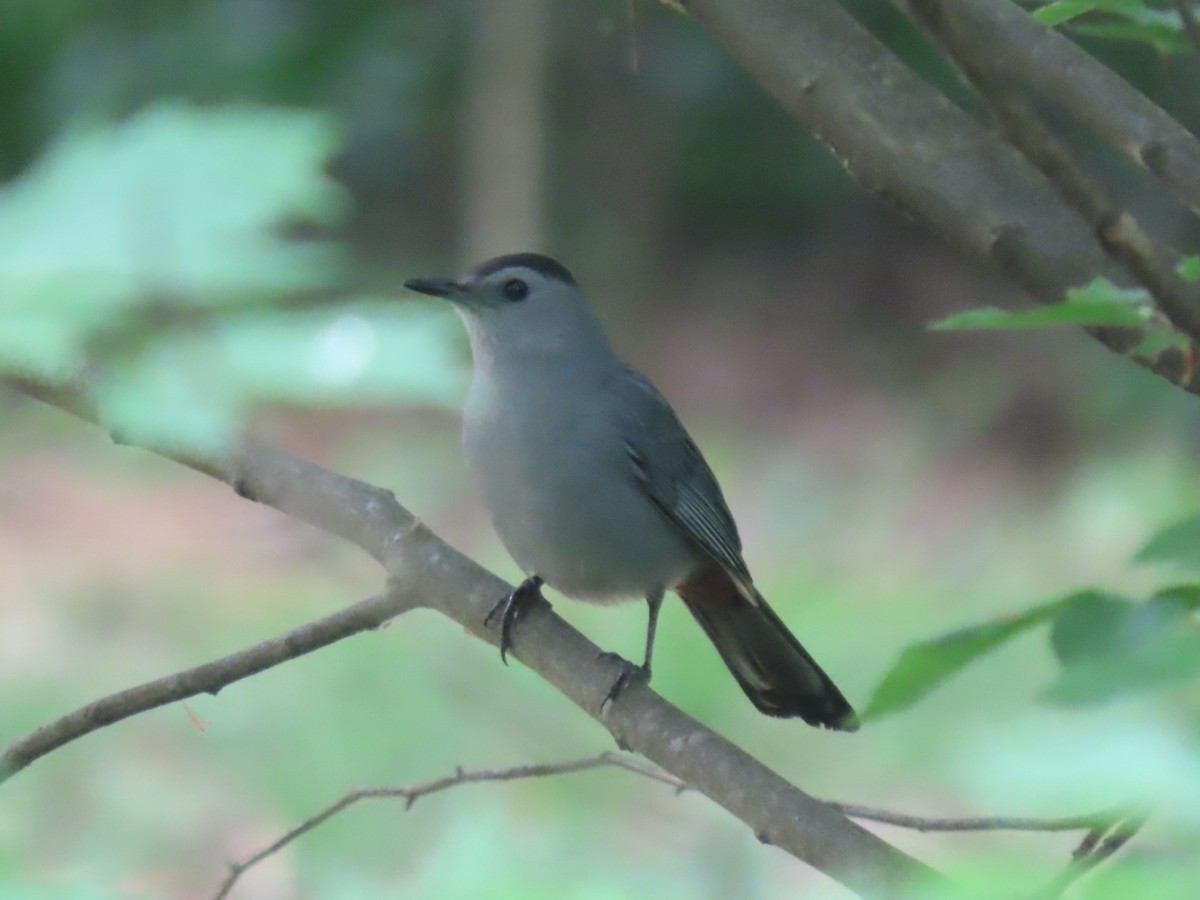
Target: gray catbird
{"x": 596, "y": 489}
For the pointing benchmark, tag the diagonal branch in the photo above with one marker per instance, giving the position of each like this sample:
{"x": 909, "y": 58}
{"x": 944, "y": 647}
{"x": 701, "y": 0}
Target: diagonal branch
{"x": 1116, "y": 229}
{"x": 205, "y": 679}
{"x": 421, "y": 565}
{"x": 909, "y": 144}
{"x": 1020, "y": 46}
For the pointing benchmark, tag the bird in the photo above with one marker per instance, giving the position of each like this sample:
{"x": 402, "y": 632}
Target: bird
{"x": 596, "y": 489}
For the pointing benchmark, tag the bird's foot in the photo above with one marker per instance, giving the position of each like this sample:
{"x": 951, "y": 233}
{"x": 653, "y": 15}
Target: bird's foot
{"x": 628, "y": 675}
{"x": 509, "y": 608}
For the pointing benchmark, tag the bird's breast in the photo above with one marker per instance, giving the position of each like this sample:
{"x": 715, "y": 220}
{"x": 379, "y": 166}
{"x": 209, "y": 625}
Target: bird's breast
{"x": 555, "y": 476}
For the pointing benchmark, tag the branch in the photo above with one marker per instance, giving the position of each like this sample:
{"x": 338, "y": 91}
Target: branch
{"x": 205, "y": 679}
{"x": 978, "y": 823}
{"x": 906, "y": 142}
{"x": 902, "y": 139}
{"x": 1020, "y": 46}
{"x": 421, "y": 565}
{"x": 1117, "y": 230}
{"x": 1097, "y": 845}
{"x": 413, "y": 793}
{"x": 1097, "y": 823}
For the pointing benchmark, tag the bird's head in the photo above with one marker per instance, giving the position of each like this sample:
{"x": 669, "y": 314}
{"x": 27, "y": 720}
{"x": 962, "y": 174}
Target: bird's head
{"x": 520, "y": 304}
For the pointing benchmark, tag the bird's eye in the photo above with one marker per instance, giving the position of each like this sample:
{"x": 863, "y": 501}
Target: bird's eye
{"x": 515, "y": 289}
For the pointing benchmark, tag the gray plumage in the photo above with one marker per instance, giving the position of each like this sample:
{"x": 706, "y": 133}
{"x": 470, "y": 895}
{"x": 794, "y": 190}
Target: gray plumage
{"x": 675, "y": 475}
{"x": 594, "y": 485}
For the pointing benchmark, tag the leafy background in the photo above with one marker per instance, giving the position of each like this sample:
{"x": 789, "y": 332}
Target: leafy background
{"x": 208, "y": 209}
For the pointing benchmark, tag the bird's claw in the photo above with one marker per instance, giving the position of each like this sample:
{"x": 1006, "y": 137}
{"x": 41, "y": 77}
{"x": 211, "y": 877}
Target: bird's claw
{"x": 628, "y": 675}
{"x": 509, "y": 608}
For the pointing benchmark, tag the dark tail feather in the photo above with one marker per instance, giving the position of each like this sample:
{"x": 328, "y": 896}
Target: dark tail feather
{"x": 777, "y": 674}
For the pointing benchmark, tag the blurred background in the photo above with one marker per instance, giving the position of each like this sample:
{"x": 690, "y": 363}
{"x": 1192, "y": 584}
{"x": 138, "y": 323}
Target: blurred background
{"x": 235, "y": 189}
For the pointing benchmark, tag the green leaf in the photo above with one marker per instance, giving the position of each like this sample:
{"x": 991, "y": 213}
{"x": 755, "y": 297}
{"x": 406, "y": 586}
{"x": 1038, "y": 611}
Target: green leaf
{"x": 116, "y": 227}
{"x": 1141, "y": 647}
{"x": 1101, "y": 290}
{"x": 1064, "y": 10}
{"x": 1126, "y": 20}
{"x": 1176, "y": 601}
{"x": 367, "y": 351}
{"x": 1165, "y": 34}
{"x": 43, "y": 343}
{"x": 1090, "y": 625}
{"x": 175, "y": 205}
{"x": 1177, "y": 543}
{"x": 1154, "y": 343}
{"x": 172, "y": 397}
{"x": 1190, "y": 268}
{"x": 186, "y": 391}
{"x": 1099, "y": 303}
{"x": 923, "y": 666}
{"x": 1084, "y": 312}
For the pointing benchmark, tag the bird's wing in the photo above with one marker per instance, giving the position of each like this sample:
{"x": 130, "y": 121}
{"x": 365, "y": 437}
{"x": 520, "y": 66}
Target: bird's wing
{"x": 674, "y": 474}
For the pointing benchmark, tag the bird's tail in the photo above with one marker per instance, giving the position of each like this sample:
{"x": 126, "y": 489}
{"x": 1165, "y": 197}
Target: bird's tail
{"x": 774, "y": 670}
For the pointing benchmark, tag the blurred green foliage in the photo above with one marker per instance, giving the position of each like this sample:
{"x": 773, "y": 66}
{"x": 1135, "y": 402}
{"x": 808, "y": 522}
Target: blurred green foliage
{"x": 151, "y": 255}
{"x": 208, "y": 206}
{"x": 923, "y": 666}
{"x": 1124, "y": 20}
{"x": 1111, "y": 648}
{"x": 1101, "y": 303}
{"x": 1096, "y": 305}
{"x": 1107, "y": 645}
{"x": 1178, "y": 543}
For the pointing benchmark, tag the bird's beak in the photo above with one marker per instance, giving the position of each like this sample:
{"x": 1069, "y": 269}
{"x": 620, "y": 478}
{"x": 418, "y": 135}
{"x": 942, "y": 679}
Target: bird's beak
{"x": 434, "y": 287}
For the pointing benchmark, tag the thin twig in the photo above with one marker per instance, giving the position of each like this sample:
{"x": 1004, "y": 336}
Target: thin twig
{"x": 976, "y": 823}
{"x": 208, "y": 678}
{"x": 412, "y": 793}
{"x": 1098, "y": 824}
{"x": 1089, "y": 841}
{"x": 1097, "y": 845}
